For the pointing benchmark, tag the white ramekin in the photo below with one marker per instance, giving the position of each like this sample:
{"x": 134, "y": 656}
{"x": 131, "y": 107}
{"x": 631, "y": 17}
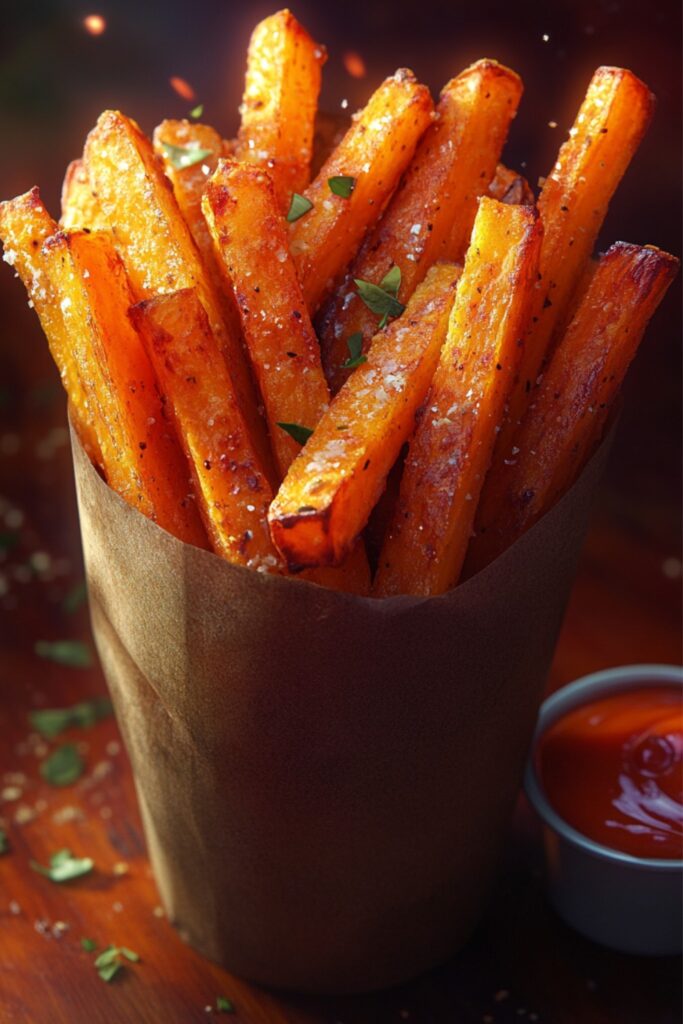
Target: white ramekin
{"x": 628, "y": 903}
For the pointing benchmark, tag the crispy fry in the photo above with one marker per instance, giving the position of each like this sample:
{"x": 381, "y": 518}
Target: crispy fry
{"x": 155, "y": 242}
{"x": 333, "y": 484}
{"x": 189, "y": 183}
{"x": 233, "y": 492}
{"x": 375, "y": 152}
{"x": 508, "y": 186}
{"x": 80, "y": 208}
{"x": 25, "y": 225}
{"x": 573, "y": 202}
{"x": 141, "y": 457}
{"x": 452, "y": 445}
{"x": 280, "y": 99}
{"x": 430, "y": 216}
{"x": 277, "y": 328}
{"x": 569, "y": 408}
{"x": 276, "y": 325}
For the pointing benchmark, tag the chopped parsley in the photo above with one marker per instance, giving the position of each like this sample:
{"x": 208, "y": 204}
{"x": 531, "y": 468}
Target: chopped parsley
{"x": 355, "y": 346}
{"x": 50, "y": 722}
{"x": 298, "y": 207}
{"x": 64, "y": 866}
{"x": 296, "y": 431}
{"x": 75, "y": 598}
{"x": 63, "y": 767}
{"x": 182, "y": 157}
{"x": 342, "y": 185}
{"x": 224, "y": 1005}
{"x": 65, "y": 652}
{"x": 382, "y": 298}
{"x": 197, "y": 111}
{"x": 109, "y": 962}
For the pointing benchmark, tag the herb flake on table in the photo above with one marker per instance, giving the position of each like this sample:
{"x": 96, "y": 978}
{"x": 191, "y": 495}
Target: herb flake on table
{"x": 355, "y": 346}
{"x": 382, "y": 298}
{"x": 72, "y": 653}
{"x": 110, "y": 961}
{"x": 64, "y": 867}
{"x": 197, "y": 111}
{"x": 75, "y": 598}
{"x": 63, "y": 766}
{"x": 89, "y": 945}
{"x": 182, "y": 157}
{"x": 224, "y": 1005}
{"x": 4, "y": 842}
{"x": 296, "y": 431}
{"x": 50, "y": 722}
{"x": 342, "y": 185}
{"x": 298, "y": 207}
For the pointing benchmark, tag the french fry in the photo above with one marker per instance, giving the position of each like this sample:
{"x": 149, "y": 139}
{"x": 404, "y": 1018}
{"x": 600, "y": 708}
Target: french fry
{"x": 233, "y": 492}
{"x": 80, "y": 208}
{"x": 507, "y": 186}
{"x": 175, "y": 143}
{"x": 25, "y": 225}
{"x": 277, "y": 329}
{"x": 430, "y": 216}
{"x": 374, "y": 153}
{"x": 332, "y": 486}
{"x": 275, "y": 322}
{"x": 450, "y": 451}
{"x": 155, "y": 243}
{"x": 573, "y": 202}
{"x": 141, "y": 457}
{"x": 280, "y": 100}
{"x": 569, "y": 408}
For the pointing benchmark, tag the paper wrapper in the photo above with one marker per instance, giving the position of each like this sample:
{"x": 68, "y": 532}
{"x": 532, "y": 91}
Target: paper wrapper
{"x": 325, "y": 780}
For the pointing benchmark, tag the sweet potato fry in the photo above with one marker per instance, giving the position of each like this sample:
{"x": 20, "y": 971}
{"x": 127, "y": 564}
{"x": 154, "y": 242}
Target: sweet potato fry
{"x": 280, "y": 99}
{"x": 372, "y": 156}
{"x": 507, "y": 186}
{"x": 570, "y": 406}
{"x": 276, "y": 326}
{"x": 142, "y": 460}
{"x": 430, "y": 215}
{"x": 80, "y": 208}
{"x": 451, "y": 449}
{"x": 25, "y": 225}
{"x": 277, "y": 329}
{"x": 333, "y": 484}
{"x": 233, "y": 492}
{"x": 573, "y": 202}
{"x": 155, "y": 242}
{"x": 179, "y": 145}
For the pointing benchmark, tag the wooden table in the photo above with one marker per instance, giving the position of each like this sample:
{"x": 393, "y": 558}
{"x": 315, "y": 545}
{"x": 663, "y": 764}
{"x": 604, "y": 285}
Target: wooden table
{"x": 522, "y": 965}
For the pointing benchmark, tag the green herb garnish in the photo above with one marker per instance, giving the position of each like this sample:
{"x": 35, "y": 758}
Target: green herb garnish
{"x": 224, "y": 1005}
{"x": 75, "y": 598}
{"x": 108, "y": 963}
{"x": 89, "y": 945}
{"x": 65, "y": 652}
{"x": 197, "y": 111}
{"x": 64, "y": 866}
{"x": 182, "y": 157}
{"x": 298, "y": 207}
{"x": 355, "y": 346}
{"x": 4, "y": 841}
{"x": 63, "y": 766}
{"x": 50, "y": 722}
{"x": 342, "y": 185}
{"x": 295, "y": 430}
{"x": 382, "y": 298}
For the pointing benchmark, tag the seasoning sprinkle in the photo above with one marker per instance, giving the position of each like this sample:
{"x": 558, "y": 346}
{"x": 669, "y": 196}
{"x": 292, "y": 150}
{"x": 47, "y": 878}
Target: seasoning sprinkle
{"x": 296, "y": 431}
{"x": 355, "y": 346}
{"x": 342, "y": 185}
{"x": 182, "y": 157}
{"x": 298, "y": 207}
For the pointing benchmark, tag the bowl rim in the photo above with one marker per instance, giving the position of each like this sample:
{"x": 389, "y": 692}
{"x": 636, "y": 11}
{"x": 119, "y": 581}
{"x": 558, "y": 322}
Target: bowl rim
{"x": 622, "y": 677}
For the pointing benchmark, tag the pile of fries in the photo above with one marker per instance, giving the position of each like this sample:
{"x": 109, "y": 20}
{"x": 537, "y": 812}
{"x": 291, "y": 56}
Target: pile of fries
{"x": 247, "y": 352}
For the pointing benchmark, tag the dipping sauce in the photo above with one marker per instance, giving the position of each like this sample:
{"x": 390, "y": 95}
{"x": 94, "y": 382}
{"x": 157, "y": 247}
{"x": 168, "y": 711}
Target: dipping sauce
{"x": 613, "y": 769}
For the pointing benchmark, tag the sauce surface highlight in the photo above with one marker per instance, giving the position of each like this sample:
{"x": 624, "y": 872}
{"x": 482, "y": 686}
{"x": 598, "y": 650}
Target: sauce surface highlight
{"x": 613, "y": 769}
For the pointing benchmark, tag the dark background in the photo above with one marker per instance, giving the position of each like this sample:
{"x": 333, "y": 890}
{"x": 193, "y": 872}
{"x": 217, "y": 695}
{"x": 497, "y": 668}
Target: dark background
{"x": 55, "y": 78}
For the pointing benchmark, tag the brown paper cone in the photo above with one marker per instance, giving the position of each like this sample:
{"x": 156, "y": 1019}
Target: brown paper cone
{"x": 325, "y": 780}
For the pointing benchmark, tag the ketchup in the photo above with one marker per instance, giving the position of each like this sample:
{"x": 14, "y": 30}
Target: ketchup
{"x": 613, "y": 769}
